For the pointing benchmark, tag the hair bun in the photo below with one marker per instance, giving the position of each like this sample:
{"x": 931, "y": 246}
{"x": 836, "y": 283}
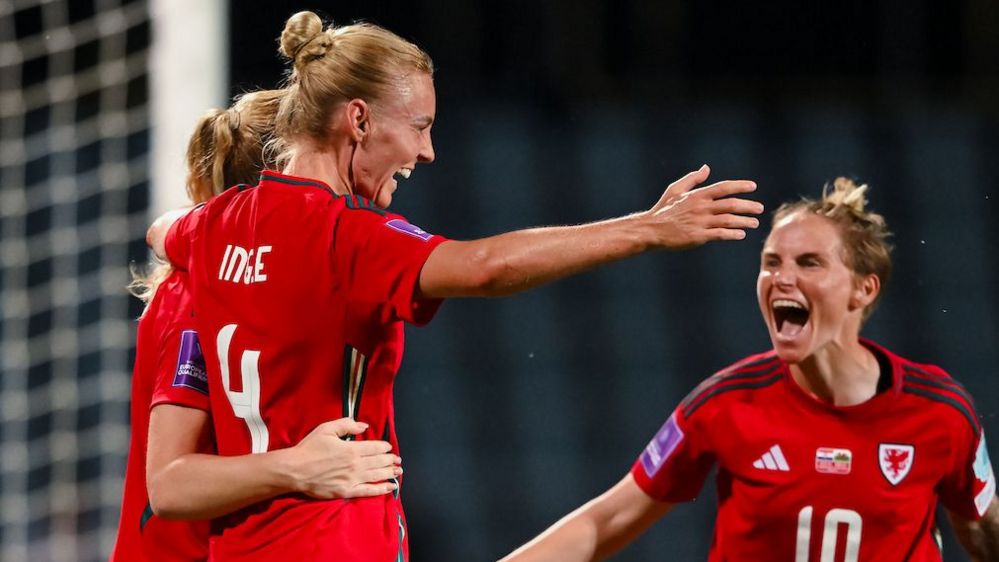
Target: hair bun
{"x": 301, "y": 29}
{"x": 846, "y": 193}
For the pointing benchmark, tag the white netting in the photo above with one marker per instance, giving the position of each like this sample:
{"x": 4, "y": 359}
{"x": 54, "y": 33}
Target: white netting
{"x": 74, "y": 137}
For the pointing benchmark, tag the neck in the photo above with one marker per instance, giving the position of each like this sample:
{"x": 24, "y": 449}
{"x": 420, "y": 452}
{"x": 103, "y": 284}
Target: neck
{"x": 326, "y": 165}
{"x": 842, "y": 374}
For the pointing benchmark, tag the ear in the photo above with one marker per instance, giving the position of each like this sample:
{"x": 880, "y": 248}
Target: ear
{"x": 865, "y": 290}
{"x": 356, "y": 115}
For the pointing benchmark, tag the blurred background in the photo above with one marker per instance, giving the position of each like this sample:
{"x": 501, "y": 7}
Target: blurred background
{"x": 511, "y": 412}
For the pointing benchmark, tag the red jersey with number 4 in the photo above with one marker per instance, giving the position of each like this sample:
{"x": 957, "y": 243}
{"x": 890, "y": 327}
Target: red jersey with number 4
{"x": 301, "y": 296}
{"x": 169, "y": 369}
{"x": 804, "y": 481}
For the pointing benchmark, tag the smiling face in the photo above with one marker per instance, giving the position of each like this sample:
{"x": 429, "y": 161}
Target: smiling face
{"x": 808, "y": 295}
{"x": 397, "y": 137}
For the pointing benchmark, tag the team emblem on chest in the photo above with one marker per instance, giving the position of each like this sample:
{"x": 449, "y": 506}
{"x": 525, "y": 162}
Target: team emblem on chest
{"x": 895, "y": 461}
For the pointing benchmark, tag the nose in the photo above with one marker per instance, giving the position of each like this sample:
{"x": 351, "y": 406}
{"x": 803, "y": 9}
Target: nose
{"x": 426, "y": 154}
{"x": 784, "y": 277}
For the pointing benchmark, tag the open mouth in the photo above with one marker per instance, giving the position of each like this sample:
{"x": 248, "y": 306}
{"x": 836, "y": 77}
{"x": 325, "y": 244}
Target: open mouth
{"x": 790, "y": 317}
{"x": 403, "y": 173}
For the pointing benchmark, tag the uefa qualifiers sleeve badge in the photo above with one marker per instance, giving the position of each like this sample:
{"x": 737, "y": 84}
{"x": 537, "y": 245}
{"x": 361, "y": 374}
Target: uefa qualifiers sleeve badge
{"x": 190, "y": 371}
{"x": 410, "y": 229}
{"x": 661, "y": 447}
{"x": 984, "y": 475}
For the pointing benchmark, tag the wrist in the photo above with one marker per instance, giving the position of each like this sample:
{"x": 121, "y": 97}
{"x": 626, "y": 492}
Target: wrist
{"x": 282, "y": 470}
{"x": 640, "y": 231}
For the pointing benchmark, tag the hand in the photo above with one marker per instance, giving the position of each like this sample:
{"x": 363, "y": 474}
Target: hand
{"x": 685, "y": 217}
{"x": 324, "y": 466}
{"x": 157, "y": 233}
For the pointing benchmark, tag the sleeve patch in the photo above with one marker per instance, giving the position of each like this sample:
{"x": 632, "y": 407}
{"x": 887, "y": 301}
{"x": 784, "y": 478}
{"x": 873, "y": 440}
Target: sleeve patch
{"x": 984, "y": 474}
{"x": 410, "y": 229}
{"x": 661, "y": 447}
{"x": 190, "y": 371}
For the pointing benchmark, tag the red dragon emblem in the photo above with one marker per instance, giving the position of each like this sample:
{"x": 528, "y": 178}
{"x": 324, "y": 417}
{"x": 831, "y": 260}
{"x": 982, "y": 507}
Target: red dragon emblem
{"x": 896, "y": 461}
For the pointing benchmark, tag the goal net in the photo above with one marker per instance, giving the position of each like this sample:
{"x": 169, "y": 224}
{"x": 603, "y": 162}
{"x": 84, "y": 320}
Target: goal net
{"x": 74, "y": 174}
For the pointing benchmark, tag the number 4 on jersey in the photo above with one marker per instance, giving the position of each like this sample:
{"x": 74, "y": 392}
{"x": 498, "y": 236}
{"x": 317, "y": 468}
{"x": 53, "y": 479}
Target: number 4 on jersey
{"x": 245, "y": 403}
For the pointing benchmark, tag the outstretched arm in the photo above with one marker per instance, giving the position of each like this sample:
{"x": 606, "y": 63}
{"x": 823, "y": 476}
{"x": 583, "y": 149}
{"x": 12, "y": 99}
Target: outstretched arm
{"x": 597, "y": 530}
{"x": 185, "y": 484}
{"x": 979, "y": 538}
{"x": 516, "y": 261}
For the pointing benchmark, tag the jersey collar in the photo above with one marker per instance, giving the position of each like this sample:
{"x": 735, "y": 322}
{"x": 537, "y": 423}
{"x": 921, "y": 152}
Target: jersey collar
{"x": 273, "y": 177}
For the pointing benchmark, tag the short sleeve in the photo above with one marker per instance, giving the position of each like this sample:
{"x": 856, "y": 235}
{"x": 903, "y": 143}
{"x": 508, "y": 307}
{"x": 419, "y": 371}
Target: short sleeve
{"x": 382, "y": 254}
{"x": 675, "y": 463}
{"x": 181, "y": 378}
{"x": 178, "y": 238}
{"x": 970, "y": 486}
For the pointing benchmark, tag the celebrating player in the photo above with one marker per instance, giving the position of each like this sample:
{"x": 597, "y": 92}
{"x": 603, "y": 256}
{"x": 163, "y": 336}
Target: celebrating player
{"x": 169, "y": 379}
{"x": 829, "y": 447}
{"x": 303, "y": 282}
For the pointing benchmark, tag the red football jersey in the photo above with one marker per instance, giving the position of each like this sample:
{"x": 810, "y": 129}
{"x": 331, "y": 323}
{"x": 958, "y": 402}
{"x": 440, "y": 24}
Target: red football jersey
{"x": 169, "y": 369}
{"x": 801, "y": 480}
{"x": 301, "y": 295}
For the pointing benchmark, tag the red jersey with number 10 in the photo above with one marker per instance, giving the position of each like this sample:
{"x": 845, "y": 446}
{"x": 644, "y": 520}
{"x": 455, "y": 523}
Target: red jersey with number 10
{"x": 804, "y": 481}
{"x": 300, "y": 297}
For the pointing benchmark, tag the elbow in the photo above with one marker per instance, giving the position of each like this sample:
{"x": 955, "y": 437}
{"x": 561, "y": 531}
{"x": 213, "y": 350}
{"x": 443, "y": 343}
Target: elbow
{"x": 158, "y": 503}
{"x": 490, "y": 275}
{"x": 162, "y": 503}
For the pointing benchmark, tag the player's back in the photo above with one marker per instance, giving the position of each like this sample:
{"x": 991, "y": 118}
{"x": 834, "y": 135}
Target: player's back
{"x": 276, "y": 324}
{"x": 267, "y": 299}
{"x": 155, "y": 380}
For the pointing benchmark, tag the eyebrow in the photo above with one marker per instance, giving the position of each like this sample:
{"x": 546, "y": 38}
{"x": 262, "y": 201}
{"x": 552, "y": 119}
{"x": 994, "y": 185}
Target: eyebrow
{"x": 807, "y": 255}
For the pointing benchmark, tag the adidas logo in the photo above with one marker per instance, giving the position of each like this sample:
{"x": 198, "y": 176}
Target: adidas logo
{"x": 772, "y": 460}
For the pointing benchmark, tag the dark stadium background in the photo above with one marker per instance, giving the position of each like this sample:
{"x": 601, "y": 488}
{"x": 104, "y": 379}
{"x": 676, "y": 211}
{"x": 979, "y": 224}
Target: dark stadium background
{"x": 513, "y": 412}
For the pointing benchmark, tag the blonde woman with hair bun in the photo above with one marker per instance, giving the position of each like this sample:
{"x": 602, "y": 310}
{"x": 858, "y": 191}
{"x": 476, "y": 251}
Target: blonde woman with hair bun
{"x": 304, "y": 282}
{"x": 171, "y": 436}
{"x": 829, "y": 447}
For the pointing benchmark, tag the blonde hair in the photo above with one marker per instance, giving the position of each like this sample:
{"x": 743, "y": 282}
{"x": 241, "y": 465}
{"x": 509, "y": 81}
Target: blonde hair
{"x": 865, "y": 234}
{"x": 334, "y": 65}
{"x": 226, "y": 148}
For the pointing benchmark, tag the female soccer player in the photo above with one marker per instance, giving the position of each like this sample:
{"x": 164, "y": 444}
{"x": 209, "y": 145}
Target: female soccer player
{"x": 829, "y": 447}
{"x": 303, "y": 282}
{"x": 169, "y": 379}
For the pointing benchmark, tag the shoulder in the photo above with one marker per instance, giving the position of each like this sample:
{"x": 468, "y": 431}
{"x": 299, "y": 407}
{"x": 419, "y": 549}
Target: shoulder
{"x": 739, "y": 380}
{"x": 936, "y": 388}
{"x": 363, "y": 213}
{"x": 172, "y": 303}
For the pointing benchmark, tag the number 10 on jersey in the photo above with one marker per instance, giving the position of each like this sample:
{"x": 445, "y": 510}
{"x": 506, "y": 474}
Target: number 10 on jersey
{"x": 830, "y": 532}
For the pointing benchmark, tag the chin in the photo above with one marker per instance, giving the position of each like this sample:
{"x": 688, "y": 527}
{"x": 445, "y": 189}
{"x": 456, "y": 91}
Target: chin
{"x": 790, "y": 352}
{"x": 789, "y": 355}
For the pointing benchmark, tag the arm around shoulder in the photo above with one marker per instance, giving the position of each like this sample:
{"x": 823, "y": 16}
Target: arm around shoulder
{"x": 157, "y": 233}
{"x": 598, "y": 529}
